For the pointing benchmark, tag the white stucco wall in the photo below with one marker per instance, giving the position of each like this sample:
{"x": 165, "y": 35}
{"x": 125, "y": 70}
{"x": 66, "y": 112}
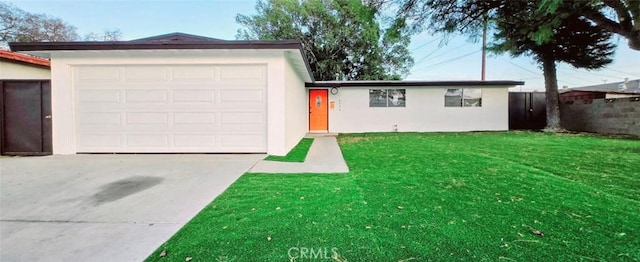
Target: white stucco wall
{"x": 62, "y": 62}
{"x": 296, "y": 112}
{"x": 424, "y": 111}
{"x": 19, "y": 71}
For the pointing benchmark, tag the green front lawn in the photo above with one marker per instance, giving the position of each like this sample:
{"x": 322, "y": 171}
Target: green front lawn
{"x": 297, "y": 154}
{"x": 508, "y": 196}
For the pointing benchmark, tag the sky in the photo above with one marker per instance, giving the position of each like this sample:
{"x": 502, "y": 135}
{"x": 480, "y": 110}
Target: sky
{"x": 456, "y": 59}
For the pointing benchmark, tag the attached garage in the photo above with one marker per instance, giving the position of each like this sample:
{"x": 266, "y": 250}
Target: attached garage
{"x": 170, "y": 108}
{"x": 175, "y": 93}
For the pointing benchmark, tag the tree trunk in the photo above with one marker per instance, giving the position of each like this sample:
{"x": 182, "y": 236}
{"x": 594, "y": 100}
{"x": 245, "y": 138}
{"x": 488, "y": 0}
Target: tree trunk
{"x": 551, "y": 97}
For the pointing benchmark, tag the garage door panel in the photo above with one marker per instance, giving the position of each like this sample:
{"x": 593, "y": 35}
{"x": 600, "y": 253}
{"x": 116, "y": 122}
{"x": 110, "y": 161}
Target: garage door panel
{"x": 242, "y": 118}
{"x": 95, "y": 141}
{"x": 146, "y": 96}
{"x": 194, "y": 118}
{"x": 171, "y": 108}
{"x": 233, "y": 97}
{"x": 100, "y": 118}
{"x": 193, "y": 96}
{"x": 146, "y": 73}
{"x": 194, "y": 141}
{"x": 147, "y": 118}
{"x": 99, "y": 96}
{"x": 147, "y": 140}
{"x": 92, "y": 74}
{"x": 193, "y": 74}
{"x": 240, "y": 141}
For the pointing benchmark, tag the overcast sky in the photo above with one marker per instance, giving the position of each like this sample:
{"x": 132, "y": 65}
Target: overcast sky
{"x": 457, "y": 59}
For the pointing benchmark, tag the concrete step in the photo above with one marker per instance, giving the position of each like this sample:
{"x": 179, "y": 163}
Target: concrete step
{"x": 321, "y": 134}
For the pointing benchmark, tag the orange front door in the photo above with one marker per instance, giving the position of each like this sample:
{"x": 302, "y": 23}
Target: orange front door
{"x": 318, "y": 110}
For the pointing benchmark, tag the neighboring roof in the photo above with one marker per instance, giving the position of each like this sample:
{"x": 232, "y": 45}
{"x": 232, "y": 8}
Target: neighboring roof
{"x": 175, "y": 41}
{"x": 25, "y": 59}
{"x": 630, "y": 86}
{"x": 176, "y": 37}
{"x": 374, "y": 83}
{"x": 570, "y": 93}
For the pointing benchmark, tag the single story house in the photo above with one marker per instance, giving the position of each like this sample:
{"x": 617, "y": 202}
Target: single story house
{"x": 184, "y": 93}
{"x": 17, "y": 66}
{"x": 24, "y": 104}
{"x": 626, "y": 88}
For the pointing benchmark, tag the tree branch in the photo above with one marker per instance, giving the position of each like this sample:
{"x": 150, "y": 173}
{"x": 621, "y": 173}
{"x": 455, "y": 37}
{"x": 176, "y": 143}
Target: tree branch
{"x": 632, "y": 34}
{"x": 624, "y": 18}
{"x": 606, "y": 23}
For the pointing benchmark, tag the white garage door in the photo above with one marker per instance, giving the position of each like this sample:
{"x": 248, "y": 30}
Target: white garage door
{"x": 170, "y": 108}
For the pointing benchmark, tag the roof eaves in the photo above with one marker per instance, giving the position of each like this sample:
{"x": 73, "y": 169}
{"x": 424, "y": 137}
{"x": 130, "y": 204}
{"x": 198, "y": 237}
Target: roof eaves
{"x": 375, "y": 83}
{"x": 306, "y": 62}
{"x": 119, "y": 45}
{"x": 26, "y": 59}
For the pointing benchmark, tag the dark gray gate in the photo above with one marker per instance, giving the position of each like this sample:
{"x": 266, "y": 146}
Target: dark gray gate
{"x": 527, "y": 110}
{"x": 25, "y": 117}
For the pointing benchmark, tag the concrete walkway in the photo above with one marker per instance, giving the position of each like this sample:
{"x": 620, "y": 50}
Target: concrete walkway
{"x": 324, "y": 157}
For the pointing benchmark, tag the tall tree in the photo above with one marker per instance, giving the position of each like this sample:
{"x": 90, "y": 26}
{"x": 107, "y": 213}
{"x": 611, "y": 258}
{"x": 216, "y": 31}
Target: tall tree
{"x": 575, "y": 41}
{"x": 17, "y": 25}
{"x": 519, "y": 29}
{"x": 342, "y": 38}
{"x": 621, "y": 17}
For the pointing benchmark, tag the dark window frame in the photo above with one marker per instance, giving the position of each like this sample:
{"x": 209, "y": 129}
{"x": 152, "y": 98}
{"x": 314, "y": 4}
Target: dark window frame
{"x": 379, "y": 98}
{"x": 452, "y": 100}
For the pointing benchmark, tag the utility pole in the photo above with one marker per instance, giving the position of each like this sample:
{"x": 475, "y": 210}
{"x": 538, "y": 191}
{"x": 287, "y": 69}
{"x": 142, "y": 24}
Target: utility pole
{"x": 484, "y": 48}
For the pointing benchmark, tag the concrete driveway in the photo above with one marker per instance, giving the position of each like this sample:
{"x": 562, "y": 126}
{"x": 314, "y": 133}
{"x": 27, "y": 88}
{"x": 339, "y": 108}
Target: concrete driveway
{"x": 105, "y": 207}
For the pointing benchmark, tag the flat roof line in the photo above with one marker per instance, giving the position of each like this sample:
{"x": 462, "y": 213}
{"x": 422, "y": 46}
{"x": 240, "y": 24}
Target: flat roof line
{"x": 376, "y": 83}
{"x": 133, "y": 45}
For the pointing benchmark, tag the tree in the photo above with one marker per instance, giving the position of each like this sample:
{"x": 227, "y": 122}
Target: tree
{"x": 621, "y": 17}
{"x": 9, "y": 21}
{"x": 341, "y": 38}
{"x": 17, "y": 25}
{"x": 575, "y": 41}
{"x": 106, "y": 35}
{"x": 519, "y": 29}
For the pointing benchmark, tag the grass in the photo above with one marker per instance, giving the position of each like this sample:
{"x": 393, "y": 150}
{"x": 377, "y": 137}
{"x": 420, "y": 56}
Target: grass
{"x": 297, "y": 154}
{"x": 504, "y": 196}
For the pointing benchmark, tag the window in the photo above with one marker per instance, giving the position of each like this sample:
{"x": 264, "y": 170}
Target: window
{"x": 463, "y": 97}
{"x": 387, "y": 97}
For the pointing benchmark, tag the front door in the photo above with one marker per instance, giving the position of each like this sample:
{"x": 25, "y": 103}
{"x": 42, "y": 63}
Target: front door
{"x": 318, "y": 110}
{"x": 25, "y": 117}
